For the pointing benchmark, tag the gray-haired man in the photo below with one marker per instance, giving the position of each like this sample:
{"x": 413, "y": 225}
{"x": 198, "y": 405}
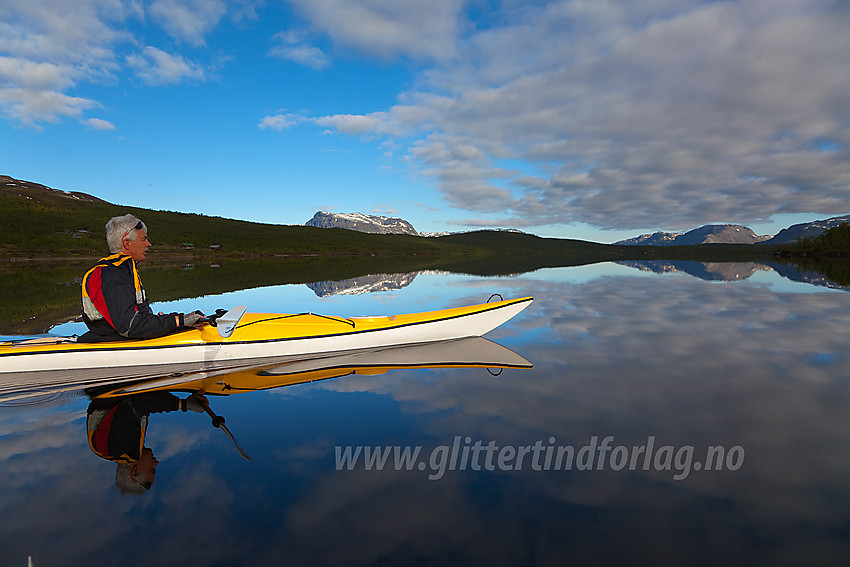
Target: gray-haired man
{"x": 115, "y": 306}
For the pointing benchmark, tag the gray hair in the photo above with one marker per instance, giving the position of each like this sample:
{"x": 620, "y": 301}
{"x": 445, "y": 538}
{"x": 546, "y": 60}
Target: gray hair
{"x": 127, "y": 483}
{"x": 119, "y": 228}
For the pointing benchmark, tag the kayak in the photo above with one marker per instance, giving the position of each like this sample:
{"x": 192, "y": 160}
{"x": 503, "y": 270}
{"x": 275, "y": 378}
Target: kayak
{"x": 472, "y": 352}
{"x": 253, "y": 338}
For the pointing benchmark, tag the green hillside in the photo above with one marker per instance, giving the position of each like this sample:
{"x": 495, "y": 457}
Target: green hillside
{"x": 38, "y": 222}
{"x": 834, "y": 243}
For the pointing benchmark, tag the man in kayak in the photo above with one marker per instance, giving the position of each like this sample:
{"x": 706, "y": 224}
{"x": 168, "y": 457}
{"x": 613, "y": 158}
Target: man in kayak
{"x": 114, "y": 303}
{"x": 116, "y": 432}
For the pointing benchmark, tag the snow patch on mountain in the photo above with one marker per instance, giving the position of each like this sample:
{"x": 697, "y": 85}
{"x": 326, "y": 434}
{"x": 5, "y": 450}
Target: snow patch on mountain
{"x": 708, "y": 234}
{"x": 816, "y": 228}
{"x": 362, "y": 223}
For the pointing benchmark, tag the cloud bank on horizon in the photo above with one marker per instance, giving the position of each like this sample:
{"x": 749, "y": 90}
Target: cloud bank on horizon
{"x": 669, "y": 113}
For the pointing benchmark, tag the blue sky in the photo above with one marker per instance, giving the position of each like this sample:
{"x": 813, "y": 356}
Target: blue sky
{"x": 596, "y": 120}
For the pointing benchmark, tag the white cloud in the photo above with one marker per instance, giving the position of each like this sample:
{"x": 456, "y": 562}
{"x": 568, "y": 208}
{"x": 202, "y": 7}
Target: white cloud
{"x": 80, "y": 32}
{"x": 356, "y": 124}
{"x": 48, "y": 46}
{"x": 293, "y": 46}
{"x": 463, "y": 166}
{"x": 188, "y": 20}
{"x": 34, "y": 75}
{"x": 99, "y": 124}
{"x": 29, "y": 107}
{"x": 630, "y": 115}
{"x": 242, "y": 10}
{"x": 388, "y": 28}
{"x": 279, "y": 121}
{"x": 156, "y": 67}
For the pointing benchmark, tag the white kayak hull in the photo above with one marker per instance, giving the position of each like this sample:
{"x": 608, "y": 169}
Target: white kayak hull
{"x": 247, "y": 347}
{"x": 275, "y": 371}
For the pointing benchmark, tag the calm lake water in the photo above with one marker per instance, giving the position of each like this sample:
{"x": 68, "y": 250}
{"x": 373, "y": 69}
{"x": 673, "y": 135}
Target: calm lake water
{"x": 644, "y": 377}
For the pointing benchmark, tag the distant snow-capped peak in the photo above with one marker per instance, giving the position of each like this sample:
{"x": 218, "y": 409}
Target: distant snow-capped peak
{"x": 362, "y": 223}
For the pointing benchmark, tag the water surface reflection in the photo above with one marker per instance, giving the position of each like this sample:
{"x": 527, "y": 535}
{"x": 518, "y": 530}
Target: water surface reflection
{"x": 734, "y": 271}
{"x": 683, "y": 361}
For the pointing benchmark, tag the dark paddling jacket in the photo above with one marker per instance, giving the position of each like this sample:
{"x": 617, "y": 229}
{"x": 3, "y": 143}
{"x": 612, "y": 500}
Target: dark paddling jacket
{"x": 116, "y": 428}
{"x": 115, "y": 305}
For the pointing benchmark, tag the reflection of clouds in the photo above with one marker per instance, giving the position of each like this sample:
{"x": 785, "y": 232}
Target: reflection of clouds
{"x": 300, "y": 459}
{"x": 688, "y": 362}
{"x": 390, "y": 517}
{"x": 193, "y": 518}
{"x": 47, "y": 470}
{"x": 171, "y": 435}
{"x": 37, "y": 430}
{"x": 733, "y": 271}
{"x": 61, "y": 504}
{"x": 685, "y": 361}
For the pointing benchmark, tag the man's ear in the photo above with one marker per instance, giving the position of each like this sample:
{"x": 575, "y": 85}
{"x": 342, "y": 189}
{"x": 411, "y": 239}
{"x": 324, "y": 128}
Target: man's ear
{"x": 134, "y": 469}
{"x": 125, "y": 244}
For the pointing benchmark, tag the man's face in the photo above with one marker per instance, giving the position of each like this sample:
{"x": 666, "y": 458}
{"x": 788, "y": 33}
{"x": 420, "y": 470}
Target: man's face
{"x": 146, "y": 465}
{"x": 136, "y": 249}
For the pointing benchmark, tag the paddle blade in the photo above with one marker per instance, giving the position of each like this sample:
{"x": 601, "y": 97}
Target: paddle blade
{"x": 226, "y": 324}
{"x": 239, "y": 448}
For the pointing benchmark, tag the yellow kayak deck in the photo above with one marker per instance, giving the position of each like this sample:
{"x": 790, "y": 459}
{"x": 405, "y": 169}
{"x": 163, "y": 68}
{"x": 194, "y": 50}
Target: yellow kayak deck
{"x": 257, "y": 328}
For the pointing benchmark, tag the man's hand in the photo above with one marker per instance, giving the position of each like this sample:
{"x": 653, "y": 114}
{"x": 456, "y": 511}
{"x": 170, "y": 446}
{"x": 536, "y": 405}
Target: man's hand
{"x": 195, "y": 402}
{"x": 193, "y": 319}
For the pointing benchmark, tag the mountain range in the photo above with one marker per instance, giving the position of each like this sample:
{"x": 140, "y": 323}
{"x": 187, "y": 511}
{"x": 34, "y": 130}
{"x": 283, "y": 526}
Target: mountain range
{"x": 734, "y": 234}
{"x": 795, "y": 232}
{"x": 707, "y": 234}
{"x": 64, "y": 221}
{"x": 379, "y": 225}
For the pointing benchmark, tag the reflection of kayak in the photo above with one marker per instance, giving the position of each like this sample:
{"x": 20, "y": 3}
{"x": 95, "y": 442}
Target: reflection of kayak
{"x": 473, "y": 352}
{"x": 274, "y": 372}
{"x": 470, "y": 352}
{"x": 260, "y": 336}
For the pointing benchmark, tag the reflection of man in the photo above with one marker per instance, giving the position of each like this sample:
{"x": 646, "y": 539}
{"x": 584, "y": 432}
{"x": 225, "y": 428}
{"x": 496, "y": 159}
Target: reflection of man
{"x": 114, "y": 302}
{"x": 116, "y": 432}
